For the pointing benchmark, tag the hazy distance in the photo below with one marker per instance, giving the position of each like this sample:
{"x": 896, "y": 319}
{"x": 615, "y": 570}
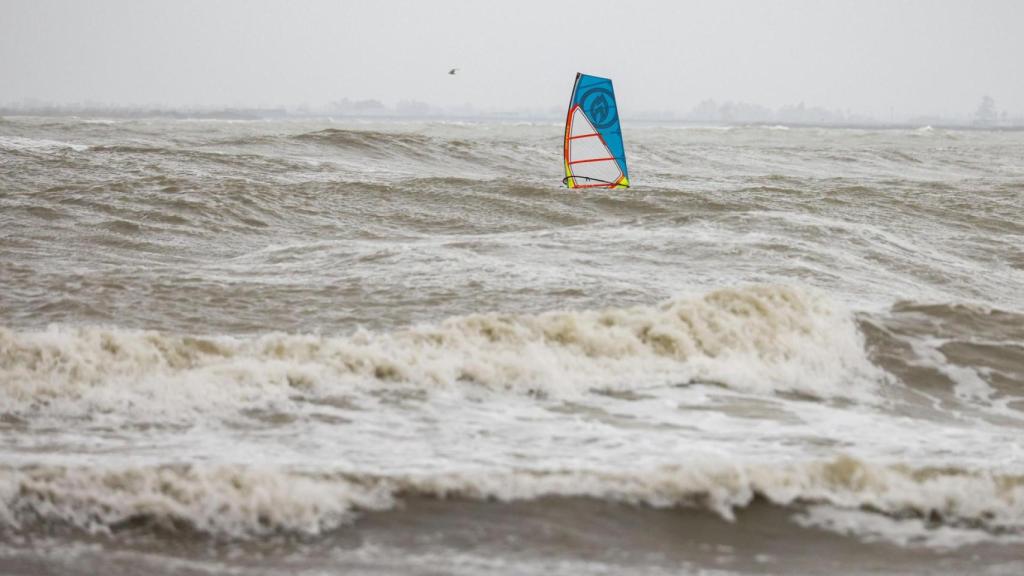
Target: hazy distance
{"x": 875, "y": 58}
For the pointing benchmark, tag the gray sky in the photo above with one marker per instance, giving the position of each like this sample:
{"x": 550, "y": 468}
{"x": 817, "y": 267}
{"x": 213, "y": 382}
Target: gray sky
{"x": 918, "y": 57}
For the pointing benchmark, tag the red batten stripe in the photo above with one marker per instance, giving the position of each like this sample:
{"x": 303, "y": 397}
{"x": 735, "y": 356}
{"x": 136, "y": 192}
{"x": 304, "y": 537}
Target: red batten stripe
{"x": 591, "y": 160}
{"x": 568, "y": 130}
{"x": 584, "y": 136}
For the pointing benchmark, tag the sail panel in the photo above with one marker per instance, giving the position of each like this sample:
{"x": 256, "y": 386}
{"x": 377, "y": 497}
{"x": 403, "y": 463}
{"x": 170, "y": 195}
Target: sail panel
{"x": 594, "y": 152}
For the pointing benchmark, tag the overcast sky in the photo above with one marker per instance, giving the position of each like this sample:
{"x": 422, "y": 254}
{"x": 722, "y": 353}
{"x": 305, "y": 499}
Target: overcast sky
{"x": 914, "y": 57}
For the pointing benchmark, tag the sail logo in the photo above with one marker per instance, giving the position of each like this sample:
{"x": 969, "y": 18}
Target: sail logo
{"x": 597, "y": 103}
{"x": 599, "y": 110}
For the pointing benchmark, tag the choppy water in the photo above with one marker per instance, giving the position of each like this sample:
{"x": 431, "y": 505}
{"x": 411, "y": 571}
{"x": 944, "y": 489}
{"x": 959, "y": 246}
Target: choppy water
{"x": 403, "y": 349}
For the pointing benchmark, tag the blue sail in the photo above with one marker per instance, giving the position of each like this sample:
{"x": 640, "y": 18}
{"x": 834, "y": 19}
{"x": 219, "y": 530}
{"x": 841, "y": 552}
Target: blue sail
{"x": 595, "y": 156}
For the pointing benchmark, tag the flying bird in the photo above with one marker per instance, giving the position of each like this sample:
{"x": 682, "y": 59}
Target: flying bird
{"x": 452, "y": 71}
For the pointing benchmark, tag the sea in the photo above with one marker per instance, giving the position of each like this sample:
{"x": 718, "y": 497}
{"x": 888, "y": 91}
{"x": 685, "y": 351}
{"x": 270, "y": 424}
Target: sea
{"x": 390, "y": 347}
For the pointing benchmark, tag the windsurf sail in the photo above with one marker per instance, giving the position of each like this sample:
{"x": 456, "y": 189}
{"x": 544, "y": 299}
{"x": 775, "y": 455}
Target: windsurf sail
{"x": 594, "y": 153}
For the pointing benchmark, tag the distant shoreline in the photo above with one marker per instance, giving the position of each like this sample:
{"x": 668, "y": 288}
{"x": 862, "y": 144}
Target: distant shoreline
{"x": 263, "y": 114}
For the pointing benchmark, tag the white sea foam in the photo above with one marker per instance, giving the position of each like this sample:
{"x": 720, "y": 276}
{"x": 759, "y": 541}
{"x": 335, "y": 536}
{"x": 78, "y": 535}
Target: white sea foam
{"x": 906, "y": 532}
{"x": 38, "y": 144}
{"x": 968, "y": 384}
{"x": 760, "y": 339}
{"x": 240, "y": 501}
{"x": 229, "y": 501}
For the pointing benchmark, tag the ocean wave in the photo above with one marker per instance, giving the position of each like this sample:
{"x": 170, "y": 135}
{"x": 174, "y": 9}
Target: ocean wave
{"x": 193, "y": 155}
{"x": 975, "y": 352}
{"x": 19, "y": 144}
{"x": 914, "y": 531}
{"x": 439, "y": 151}
{"x": 761, "y": 339}
{"x": 363, "y": 139}
{"x": 226, "y": 500}
{"x": 244, "y": 501}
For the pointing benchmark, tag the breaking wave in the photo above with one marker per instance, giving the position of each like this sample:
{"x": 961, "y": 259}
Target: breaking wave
{"x": 243, "y": 501}
{"x": 761, "y": 339}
